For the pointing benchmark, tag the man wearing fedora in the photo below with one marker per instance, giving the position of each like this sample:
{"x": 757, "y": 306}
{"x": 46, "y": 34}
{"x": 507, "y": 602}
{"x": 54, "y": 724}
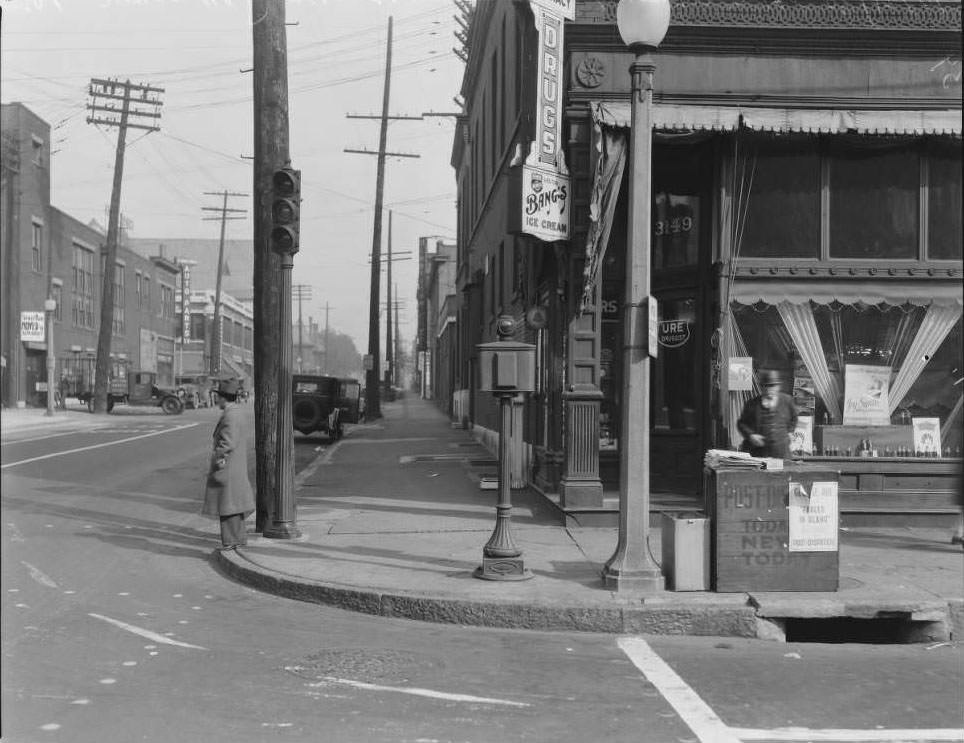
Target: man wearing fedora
{"x": 768, "y": 419}
{"x": 228, "y": 494}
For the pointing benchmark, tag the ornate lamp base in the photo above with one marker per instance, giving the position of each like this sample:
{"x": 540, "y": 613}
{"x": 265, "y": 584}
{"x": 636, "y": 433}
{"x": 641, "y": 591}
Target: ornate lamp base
{"x": 502, "y": 568}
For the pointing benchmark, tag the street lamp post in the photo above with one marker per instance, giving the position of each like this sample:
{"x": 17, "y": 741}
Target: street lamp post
{"x": 50, "y": 305}
{"x": 642, "y": 25}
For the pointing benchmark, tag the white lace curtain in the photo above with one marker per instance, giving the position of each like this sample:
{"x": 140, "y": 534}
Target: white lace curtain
{"x": 935, "y": 326}
{"x": 802, "y": 327}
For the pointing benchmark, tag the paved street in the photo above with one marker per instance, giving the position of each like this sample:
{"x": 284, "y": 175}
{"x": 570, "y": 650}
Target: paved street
{"x": 117, "y": 625}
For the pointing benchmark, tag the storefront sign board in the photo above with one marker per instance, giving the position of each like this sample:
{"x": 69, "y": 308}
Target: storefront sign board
{"x": 801, "y": 439}
{"x": 927, "y": 436}
{"x": 545, "y": 203}
{"x": 814, "y": 517}
{"x": 32, "y": 327}
{"x": 750, "y": 514}
{"x": 866, "y": 395}
{"x": 740, "y": 374}
{"x": 674, "y": 333}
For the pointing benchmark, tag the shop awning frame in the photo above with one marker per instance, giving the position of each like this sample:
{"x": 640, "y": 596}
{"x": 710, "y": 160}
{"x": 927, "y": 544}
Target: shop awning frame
{"x": 672, "y": 117}
{"x": 872, "y": 292}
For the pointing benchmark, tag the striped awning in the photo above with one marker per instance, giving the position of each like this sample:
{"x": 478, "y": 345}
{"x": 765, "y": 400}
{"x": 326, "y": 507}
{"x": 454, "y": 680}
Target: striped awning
{"x": 669, "y": 117}
{"x": 849, "y": 291}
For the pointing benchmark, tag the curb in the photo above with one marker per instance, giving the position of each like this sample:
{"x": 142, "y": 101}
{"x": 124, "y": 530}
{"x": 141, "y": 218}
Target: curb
{"x": 726, "y": 620}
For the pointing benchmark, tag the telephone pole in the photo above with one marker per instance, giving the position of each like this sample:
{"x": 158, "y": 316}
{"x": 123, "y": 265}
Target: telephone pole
{"x": 372, "y": 398}
{"x": 216, "y": 334}
{"x": 119, "y": 114}
{"x": 327, "y": 310}
{"x": 300, "y": 292}
{"x": 388, "y": 314}
{"x": 270, "y": 91}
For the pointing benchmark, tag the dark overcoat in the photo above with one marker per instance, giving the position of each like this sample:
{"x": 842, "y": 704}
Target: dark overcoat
{"x": 773, "y": 425}
{"x": 228, "y": 490}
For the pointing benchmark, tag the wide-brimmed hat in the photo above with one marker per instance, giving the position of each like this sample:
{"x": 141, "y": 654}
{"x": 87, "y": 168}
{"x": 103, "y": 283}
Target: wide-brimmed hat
{"x": 228, "y": 387}
{"x": 770, "y": 377}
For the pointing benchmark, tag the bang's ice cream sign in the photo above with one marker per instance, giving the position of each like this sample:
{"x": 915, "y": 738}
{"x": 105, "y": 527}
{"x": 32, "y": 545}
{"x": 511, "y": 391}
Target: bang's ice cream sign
{"x": 545, "y": 199}
{"x": 545, "y": 179}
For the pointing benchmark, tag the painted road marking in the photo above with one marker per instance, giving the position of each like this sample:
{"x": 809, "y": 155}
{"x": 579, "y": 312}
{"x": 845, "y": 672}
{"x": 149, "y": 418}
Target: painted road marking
{"x": 709, "y": 728}
{"x": 415, "y": 691}
{"x": 97, "y": 446}
{"x": 145, "y": 632}
{"x": 48, "y": 436}
{"x": 38, "y": 575}
{"x": 852, "y": 736}
{"x": 696, "y": 713}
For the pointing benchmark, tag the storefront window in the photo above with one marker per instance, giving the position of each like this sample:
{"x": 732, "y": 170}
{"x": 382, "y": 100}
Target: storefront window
{"x": 944, "y": 233}
{"x": 782, "y": 177}
{"x": 874, "y": 201}
{"x": 677, "y": 183}
{"x": 915, "y": 350}
{"x": 673, "y": 389}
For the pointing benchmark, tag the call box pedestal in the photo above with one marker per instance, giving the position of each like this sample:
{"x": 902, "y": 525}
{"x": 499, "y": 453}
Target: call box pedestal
{"x": 773, "y": 530}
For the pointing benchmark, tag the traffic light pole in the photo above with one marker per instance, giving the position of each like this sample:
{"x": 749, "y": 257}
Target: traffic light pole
{"x": 283, "y": 238}
{"x": 283, "y": 524}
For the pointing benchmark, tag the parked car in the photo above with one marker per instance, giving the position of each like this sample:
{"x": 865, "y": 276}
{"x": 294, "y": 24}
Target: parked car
{"x": 137, "y": 388}
{"x": 349, "y": 400}
{"x": 315, "y": 405}
{"x": 192, "y": 389}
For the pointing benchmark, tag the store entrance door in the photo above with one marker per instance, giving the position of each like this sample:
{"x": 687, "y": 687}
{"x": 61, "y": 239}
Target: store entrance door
{"x": 676, "y": 394}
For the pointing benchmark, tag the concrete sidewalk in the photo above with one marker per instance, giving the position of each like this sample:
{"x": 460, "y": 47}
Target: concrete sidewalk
{"x": 393, "y": 523}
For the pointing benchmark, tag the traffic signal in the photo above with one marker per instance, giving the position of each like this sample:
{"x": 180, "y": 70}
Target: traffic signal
{"x": 285, "y": 210}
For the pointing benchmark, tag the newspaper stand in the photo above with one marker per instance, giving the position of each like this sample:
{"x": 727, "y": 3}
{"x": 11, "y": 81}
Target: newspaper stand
{"x": 750, "y": 536}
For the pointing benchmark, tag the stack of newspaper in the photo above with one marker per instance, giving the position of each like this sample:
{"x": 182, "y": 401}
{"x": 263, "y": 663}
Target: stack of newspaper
{"x": 719, "y": 458}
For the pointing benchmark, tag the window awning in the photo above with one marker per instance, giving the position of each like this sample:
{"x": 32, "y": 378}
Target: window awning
{"x": 669, "y": 117}
{"x": 850, "y": 291}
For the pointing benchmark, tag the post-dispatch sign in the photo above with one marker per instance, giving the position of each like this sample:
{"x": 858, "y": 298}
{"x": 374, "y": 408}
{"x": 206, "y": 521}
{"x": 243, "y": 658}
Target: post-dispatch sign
{"x": 32, "y": 327}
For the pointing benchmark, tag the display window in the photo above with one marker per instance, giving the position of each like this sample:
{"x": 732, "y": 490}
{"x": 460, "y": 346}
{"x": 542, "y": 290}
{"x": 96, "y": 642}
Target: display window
{"x": 862, "y": 367}
{"x": 847, "y": 198}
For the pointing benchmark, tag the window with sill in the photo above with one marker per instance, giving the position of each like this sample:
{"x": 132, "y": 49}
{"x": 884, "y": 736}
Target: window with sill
{"x": 812, "y": 345}
{"x": 877, "y": 189}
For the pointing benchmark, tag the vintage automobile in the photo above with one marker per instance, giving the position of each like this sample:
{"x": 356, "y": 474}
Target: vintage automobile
{"x": 349, "y": 400}
{"x": 137, "y": 388}
{"x": 315, "y": 405}
{"x": 193, "y": 390}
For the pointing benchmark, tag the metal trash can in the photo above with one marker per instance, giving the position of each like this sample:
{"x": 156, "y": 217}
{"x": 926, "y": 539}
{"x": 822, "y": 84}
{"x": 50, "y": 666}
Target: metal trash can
{"x": 685, "y": 543}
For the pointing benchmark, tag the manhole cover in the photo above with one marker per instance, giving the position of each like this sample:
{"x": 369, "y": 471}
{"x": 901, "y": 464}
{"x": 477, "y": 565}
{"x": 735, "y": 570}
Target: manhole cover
{"x": 364, "y": 664}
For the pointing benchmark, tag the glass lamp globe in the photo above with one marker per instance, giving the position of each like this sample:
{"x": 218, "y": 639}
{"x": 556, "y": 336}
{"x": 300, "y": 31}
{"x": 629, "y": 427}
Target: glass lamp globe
{"x": 642, "y": 22}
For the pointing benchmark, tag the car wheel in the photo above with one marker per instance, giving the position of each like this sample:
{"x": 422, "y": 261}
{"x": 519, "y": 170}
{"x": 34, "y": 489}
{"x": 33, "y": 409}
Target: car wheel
{"x": 171, "y": 406}
{"x": 306, "y": 414}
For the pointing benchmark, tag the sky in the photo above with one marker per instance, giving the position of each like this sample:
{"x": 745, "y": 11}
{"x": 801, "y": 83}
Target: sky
{"x": 197, "y": 51}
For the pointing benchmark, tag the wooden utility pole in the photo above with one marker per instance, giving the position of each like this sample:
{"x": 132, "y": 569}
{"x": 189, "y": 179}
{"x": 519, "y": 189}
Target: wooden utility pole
{"x": 388, "y": 314}
{"x": 214, "y": 360}
{"x": 327, "y": 310}
{"x": 270, "y": 86}
{"x": 372, "y": 397}
{"x": 109, "y": 114}
{"x": 396, "y": 355}
{"x": 301, "y": 292}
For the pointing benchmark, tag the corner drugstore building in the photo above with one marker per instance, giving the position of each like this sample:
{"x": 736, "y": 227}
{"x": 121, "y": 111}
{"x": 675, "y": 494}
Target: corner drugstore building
{"x": 806, "y": 196}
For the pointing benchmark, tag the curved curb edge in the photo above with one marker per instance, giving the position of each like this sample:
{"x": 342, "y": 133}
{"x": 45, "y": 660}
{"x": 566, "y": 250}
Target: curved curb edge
{"x": 711, "y": 620}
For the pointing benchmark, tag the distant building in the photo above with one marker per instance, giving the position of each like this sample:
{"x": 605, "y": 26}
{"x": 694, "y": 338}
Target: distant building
{"x": 45, "y": 253}
{"x": 437, "y": 335}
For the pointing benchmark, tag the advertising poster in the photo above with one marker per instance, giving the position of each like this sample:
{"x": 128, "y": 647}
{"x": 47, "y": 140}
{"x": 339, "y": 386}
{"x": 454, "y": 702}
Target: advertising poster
{"x": 927, "y": 436}
{"x": 813, "y": 517}
{"x": 866, "y": 395}
{"x": 32, "y": 327}
{"x": 740, "y": 374}
{"x": 801, "y": 439}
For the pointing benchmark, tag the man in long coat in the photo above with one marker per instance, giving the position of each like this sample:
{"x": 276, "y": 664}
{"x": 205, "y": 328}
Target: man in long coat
{"x": 228, "y": 494}
{"x": 767, "y": 420}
